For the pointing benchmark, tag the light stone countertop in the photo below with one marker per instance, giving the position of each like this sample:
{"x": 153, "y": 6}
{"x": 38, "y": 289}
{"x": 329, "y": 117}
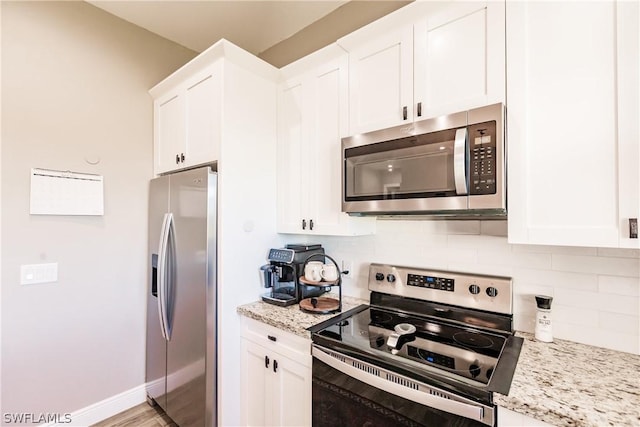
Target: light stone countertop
{"x": 292, "y": 319}
{"x": 565, "y": 383}
{"x": 562, "y": 383}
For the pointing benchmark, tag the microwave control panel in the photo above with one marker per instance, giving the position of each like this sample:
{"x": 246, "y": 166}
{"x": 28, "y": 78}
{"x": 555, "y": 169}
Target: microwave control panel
{"x": 482, "y": 149}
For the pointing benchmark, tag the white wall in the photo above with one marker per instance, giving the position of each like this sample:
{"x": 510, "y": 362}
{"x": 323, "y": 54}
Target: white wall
{"x": 247, "y": 217}
{"x": 1, "y": 412}
{"x": 596, "y": 291}
{"x": 74, "y": 88}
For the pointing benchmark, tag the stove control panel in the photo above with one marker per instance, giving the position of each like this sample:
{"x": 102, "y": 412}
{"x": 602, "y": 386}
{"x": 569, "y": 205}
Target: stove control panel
{"x": 477, "y": 291}
{"x": 431, "y": 282}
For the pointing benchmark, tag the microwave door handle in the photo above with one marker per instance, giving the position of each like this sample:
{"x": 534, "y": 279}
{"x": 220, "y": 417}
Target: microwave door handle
{"x": 460, "y": 162}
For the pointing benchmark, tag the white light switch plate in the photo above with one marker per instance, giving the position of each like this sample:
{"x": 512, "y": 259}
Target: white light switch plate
{"x": 32, "y": 274}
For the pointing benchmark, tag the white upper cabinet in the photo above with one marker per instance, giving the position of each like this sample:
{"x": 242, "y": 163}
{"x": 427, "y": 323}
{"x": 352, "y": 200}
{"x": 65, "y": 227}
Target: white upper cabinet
{"x": 189, "y": 106}
{"x": 424, "y": 60}
{"x": 459, "y": 56}
{"x": 572, "y": 117}
{"x": 169, "y": 132}
{"x": 294, "y": 165}
{"x": 187, "y": 122}
{"x": 312, "y": 118}
{"x": 381, "y": 82}
{"x": 203, "y": 98}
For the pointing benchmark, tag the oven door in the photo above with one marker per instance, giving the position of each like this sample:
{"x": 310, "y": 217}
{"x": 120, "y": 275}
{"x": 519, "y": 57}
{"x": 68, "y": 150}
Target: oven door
{"x": 350, "y": 392}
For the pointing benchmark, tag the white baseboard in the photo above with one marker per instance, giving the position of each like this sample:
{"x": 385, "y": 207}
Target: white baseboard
{"x": 104, "y": 409}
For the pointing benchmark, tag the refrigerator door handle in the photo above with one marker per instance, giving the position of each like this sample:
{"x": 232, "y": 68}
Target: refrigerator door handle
{"x": 162, "y": 274}
{"x": 170, "y": 275}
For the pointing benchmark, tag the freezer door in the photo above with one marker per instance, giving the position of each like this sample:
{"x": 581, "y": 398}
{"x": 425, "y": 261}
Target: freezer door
{"x": 187, "y": 298}
{"x": 156, "y": 360}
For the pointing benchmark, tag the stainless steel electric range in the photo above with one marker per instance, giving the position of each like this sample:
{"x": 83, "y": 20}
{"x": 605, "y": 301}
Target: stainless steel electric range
{"x": 430, "y": 349}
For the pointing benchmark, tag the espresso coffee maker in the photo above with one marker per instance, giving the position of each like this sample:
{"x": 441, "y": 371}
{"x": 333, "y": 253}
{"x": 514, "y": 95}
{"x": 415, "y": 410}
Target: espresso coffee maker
{"x": 283, "y": 272}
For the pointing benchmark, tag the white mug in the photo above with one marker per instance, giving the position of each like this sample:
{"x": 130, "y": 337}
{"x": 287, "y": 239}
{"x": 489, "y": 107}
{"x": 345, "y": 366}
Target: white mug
{"x": 329, "y": 272}
{"x": 313, "y": 271}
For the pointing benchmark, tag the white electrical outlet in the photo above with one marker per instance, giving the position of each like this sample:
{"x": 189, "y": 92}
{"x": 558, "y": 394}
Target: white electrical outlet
{"x": 31, "y": 274}
{"x": 348, "y": 267}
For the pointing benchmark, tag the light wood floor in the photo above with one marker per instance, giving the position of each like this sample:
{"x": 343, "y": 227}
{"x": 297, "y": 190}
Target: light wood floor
{"x": 142, "y": 415}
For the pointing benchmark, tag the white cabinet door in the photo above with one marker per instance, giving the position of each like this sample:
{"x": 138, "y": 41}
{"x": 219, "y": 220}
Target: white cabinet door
{"x": 292, "y": 393}
{"x": 628, "y": 49}
{"x": 188, "y": 122}
{"x": 293, "y": 161}
{"x": 169, "y": 131}
{"x": 255, "y": 400}
{"x": 312, "y": 118}
{"x": 203, "y": 102}
{"x": 459, "y": 55}
{"x": 275, "y": 388}
{"x": 328, "y": 110}
{"x": 568, "y": 121}
{"x": 449, "y": 57}
{"x": 381, "y": 82}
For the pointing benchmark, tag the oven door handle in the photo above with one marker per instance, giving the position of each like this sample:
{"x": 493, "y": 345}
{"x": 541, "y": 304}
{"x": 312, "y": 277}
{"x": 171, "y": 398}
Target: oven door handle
{"x": 423, "y": 397}
{"x": 460, "y": 162}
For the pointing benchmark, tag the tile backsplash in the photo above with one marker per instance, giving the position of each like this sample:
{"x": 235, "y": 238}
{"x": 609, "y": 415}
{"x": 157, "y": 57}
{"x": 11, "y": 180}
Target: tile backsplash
{"x": 596, "y": 291}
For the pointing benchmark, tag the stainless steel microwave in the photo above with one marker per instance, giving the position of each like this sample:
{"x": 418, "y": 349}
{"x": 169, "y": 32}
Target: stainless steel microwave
{"x": 447, "y": 166}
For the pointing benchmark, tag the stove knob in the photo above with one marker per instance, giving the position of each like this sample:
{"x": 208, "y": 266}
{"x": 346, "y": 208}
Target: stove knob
{"x": 391, "y": 278}
{"x": 492, "y": 292}
{"x": 474, "y": 289}
{"x": 379, "y": 276}
{"x": 474, "y": 370}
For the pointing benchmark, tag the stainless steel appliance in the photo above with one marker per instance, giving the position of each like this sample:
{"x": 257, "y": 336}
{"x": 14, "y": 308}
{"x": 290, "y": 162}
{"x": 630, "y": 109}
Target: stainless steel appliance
{"x": 448, "y": 166}
{"x": 430, "y": 349}
{"x": 282, "y": 274}
{"x": 181, "y": 304}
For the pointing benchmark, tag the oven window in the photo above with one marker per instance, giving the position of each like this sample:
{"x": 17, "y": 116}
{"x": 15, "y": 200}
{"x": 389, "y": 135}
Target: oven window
{"x": 406, "y": 168}
{"x": 340, "y": 400}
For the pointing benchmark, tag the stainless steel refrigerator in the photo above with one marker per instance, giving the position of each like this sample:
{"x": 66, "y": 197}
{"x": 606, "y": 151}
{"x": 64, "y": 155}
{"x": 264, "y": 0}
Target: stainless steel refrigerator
{"x": 181, "y": 311}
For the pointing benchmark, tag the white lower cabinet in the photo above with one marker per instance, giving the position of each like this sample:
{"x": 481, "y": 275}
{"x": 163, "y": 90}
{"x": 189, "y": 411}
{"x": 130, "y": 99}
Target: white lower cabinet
{"x": 276, "y": 377}
{"x": 509, "y": 418}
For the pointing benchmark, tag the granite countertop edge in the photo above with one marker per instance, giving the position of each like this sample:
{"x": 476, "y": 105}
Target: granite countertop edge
{"x": 291, "y": 318}
{"x": 548, "y": 391}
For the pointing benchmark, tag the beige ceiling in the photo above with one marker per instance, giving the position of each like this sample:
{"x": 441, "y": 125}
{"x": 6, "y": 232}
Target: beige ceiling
{"x": 256, "y": 26}
{"x": 252, "y": 25}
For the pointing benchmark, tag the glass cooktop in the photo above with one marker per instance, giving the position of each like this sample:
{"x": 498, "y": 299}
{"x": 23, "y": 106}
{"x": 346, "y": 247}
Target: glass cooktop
{"x": 422, "y": 342}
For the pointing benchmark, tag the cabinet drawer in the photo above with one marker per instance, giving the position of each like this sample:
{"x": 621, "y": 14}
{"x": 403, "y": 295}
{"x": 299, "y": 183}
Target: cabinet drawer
{"x": 277, "y": 340}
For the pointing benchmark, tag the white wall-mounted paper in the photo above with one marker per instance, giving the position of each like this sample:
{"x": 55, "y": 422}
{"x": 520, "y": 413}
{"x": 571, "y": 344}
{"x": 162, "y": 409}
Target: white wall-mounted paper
{"x": 66, "y": 193}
